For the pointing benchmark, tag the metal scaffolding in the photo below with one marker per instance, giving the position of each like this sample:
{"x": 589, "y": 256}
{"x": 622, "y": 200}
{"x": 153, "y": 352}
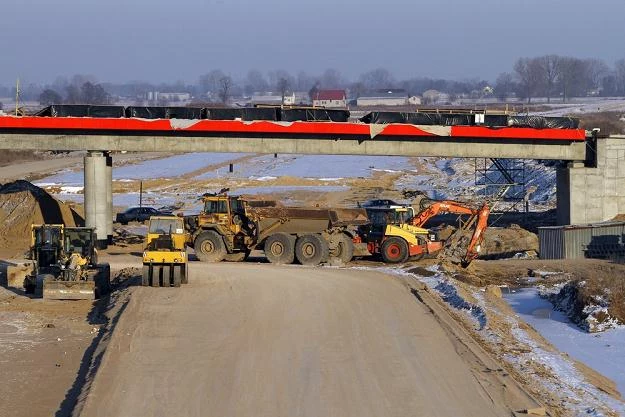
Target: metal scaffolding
{"x": 502, "y": 180}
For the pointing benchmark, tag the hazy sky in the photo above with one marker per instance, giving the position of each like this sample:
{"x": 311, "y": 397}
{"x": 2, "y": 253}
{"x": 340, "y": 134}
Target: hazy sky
{"x": 169, "y": 40}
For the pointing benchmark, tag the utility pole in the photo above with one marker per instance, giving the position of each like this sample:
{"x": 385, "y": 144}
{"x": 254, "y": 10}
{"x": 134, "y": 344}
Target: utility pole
{"x": 17, "y": 96}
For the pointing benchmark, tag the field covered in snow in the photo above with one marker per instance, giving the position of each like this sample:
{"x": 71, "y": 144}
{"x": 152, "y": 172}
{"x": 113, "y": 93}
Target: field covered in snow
{"x": 261, "y": 174}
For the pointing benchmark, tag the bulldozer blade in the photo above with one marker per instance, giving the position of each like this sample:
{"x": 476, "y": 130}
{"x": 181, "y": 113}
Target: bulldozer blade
{"x": 69, "y": 290}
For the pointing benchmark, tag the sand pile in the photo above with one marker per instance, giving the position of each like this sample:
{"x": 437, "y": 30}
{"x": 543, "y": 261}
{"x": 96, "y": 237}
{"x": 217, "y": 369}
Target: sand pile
{"x": 506, "y": 242}
{"x": 23, "y": 204}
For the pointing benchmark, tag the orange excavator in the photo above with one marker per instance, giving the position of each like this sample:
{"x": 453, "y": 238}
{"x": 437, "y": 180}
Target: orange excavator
{"x": 462, "y": 247}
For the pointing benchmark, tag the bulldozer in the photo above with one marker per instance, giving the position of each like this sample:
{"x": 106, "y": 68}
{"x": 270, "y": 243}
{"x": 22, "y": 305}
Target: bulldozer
{"x": 65, "y": 265}
{"x": 165, "y": 258}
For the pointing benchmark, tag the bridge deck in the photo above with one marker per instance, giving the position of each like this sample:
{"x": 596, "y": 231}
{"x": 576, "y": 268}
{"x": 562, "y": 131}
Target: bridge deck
{"x": 131, "y": 134}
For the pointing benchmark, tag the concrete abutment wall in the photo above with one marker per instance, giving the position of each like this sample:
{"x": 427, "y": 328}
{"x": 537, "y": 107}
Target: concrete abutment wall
{"x": 589, "y": 195}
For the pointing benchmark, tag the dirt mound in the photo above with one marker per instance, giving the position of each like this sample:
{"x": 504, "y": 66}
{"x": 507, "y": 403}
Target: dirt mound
{"x": 507, "y": 242}
{"x": 23, "y": 204}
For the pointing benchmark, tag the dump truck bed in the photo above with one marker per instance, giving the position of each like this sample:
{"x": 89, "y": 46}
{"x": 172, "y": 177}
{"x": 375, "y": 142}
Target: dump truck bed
{"x": 305, "y": 220}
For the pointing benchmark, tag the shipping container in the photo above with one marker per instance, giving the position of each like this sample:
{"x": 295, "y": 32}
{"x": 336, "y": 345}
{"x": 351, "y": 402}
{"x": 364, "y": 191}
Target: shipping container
{"x": 600, "y": 240}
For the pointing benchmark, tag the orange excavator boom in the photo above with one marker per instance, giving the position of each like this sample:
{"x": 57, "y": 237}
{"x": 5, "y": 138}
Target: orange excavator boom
{"x": 479, "y": 220}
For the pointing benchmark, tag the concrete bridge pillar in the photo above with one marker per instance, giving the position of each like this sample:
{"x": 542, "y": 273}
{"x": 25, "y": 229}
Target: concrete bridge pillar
{"x": 98, "y": 195}
{"x": 109, "y": 198}
{"x": 589, "y": 195}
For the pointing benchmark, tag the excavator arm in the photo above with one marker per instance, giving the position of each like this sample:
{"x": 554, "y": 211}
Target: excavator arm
{"x": 440, "y": 207}
{"x": 478, "y": 221}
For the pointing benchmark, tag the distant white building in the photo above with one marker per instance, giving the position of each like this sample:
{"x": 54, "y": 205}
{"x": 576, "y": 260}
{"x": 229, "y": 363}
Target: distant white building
{"x": 332, "y": 99}
{"x": 297, "y": 98}
{"x": 156, "y": 96}
{"x": 390, "y": 97}
{"x": 268, "y": 99}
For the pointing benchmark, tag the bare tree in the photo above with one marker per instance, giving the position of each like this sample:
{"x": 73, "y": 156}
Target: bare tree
{"x": 504, "y": 86}
{"x": 357, "y": 89}
{"x": 377, "y": 79}
{"x": 225, "y": 85}
{"x": 619, "y": 73}
{"x": 331, "y": 78}
{"x": 550, "y": 68}
{"x": 305, "y": 82}
{"x": 572, "y": 78}
{"x": 597, "y": 70}
{"x": 255, "y": 81}
{"x": 283, "y": 87}
{"x": 49, "y": 96}
{"x": 529, "y": 74}
{"x": 210, "y": 83}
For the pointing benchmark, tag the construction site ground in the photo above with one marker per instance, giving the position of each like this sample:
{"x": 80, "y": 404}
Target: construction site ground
{"x": 257, "y": 339}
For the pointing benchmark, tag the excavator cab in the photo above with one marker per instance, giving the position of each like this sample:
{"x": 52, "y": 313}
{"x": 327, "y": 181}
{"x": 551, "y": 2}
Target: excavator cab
{"x": 46, "y": 250}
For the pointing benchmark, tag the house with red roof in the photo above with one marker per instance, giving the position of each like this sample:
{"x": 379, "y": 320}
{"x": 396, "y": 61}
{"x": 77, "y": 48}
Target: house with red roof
{"x": 330, "y": 99}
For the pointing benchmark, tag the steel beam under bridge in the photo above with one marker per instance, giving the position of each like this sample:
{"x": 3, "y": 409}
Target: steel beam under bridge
{"x": 400, "y": 146}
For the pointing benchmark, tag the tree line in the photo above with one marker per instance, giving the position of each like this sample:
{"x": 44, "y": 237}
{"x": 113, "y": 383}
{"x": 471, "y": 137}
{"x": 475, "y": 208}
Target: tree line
{"x": 553, "y": 77}
{"x": 561, "y": 77}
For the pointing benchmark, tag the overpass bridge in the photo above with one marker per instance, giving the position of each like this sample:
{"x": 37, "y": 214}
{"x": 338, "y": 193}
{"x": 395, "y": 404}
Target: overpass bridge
{"x": 591, "y": 185}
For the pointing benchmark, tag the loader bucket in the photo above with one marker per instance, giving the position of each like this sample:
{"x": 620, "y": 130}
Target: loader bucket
{"x": 16, "y": 274}
{"x": 68, "y": 290}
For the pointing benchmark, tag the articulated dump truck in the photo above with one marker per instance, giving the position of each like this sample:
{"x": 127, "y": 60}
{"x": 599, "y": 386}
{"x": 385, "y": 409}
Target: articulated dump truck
{"x": 230, "y": 227}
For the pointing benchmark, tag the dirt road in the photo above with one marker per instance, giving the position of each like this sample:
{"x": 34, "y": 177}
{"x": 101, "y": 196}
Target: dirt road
{"x": 263, "y": 340}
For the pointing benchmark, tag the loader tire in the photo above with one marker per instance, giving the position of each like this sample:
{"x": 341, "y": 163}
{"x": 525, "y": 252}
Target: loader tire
{"x": 177, "y": 275}
{"x": 280, "y": 249}
{"x": 166, "y": 280}
{"x": 155, "y": 276}
{"x": 311, "y": 250}
{"x": 145, "y": 276}
{"x": 210, "y": 247}
{"x": 344, "y": 249}
{"x": 394, "y": 250}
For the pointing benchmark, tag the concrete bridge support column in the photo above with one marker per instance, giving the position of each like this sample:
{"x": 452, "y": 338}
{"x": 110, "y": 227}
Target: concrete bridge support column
{"x": 589, "y": 195}
{"x": 109, "y": 198}
{"x": 97, "y": 192}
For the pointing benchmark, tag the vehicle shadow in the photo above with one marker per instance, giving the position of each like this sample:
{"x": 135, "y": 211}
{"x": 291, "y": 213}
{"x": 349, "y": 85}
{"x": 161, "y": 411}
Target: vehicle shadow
{"x": 106, "y": 312}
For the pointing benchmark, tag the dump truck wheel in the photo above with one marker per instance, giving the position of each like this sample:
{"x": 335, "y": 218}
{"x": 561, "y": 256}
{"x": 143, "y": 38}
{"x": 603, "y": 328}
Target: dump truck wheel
{"x": 185, "y": 274}
{"x": 178, "y": 271}
{"x": 166, "y": 281}
{"x": 394, "y": 250}
{"x": 145, "y": 277}
{"x": 311, "y": 250}
{"x": 155, "y": 276}
{"x": 344, "y": 248}
{"x": 280, "y": 248}
{"x": 210, "y": 247}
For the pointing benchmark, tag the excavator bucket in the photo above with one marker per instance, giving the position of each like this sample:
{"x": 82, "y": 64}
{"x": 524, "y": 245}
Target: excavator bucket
{"x": 68, "y": 290}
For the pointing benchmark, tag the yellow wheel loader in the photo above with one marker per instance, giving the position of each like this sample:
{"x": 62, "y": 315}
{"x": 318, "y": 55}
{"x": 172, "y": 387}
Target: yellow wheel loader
{"x": 165, "y": 256}
{"x": 391, "y": 235}
{"x": 65, "y": 264}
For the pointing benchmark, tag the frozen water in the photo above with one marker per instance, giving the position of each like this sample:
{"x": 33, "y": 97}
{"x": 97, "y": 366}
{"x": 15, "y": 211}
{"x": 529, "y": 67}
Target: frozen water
{"x": 314, "y": 166}
{"x": 156, "y": 168}
{"x": 604, "y": 352}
